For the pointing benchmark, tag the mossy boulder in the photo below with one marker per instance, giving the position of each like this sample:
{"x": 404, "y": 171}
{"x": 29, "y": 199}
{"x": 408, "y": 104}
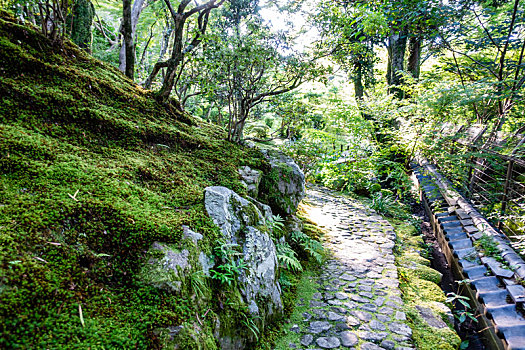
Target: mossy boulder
{"x": 243, "y": 224}
{"x": 251, "y": 178}
{"x": 283, "y": 186}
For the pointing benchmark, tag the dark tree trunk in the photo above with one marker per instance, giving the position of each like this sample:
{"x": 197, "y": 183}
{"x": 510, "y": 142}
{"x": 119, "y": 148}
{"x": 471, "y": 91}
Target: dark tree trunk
{"x": 177, "y": 53}
{"x": 80, "y": 22}
{"x": 136, "y": 9}
{"x": 358, "y": 81}
{"x": 397, "y": 43}
{"x": 414, "y": 56}
{"x": 127, "y": 34}
{"x": 389, "y": 66}
{"x": 174, "y": 61}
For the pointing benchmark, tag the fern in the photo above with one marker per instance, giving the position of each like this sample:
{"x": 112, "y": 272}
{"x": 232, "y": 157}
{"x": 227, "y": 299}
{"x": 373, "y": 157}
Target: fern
{"x": 276, "y": 225}
{"x": 287, "y": 259}
{"x": 312, "y": 247}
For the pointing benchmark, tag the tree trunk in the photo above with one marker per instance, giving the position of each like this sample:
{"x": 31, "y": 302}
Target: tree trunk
{"x": 80, "y": 22}
{"x": 174, "y": 61}
{"x": 414, "y": 56}
{"x": 208, "y": 114}
{"x": 127, "y": 34}
{"x": 136, "y": 9}
{"x": 358, "y": 81}
{"x": 397, "y": 43}
{"x": 389, "y": 66}
{"x": 166, "y": 35}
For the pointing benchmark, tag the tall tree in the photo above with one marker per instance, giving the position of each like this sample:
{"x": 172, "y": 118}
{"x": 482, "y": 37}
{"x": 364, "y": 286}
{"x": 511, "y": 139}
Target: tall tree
{"x": 80, "y": 21}
{"x": 180, "y": 46}
{"x": 250, "y": 66}
{"x": 129, "y": 27}
{"x": 349, "y": 33}
{"x": 127, "y": 33}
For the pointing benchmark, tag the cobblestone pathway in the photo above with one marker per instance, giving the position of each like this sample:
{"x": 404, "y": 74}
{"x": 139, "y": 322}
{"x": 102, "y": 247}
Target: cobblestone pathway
{"x": 358, "y": 302}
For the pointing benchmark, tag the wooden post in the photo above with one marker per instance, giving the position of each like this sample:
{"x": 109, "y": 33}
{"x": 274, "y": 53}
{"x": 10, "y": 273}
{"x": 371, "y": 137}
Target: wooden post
{"x": 506, "y": 196}
{"x": 341, "y": 148}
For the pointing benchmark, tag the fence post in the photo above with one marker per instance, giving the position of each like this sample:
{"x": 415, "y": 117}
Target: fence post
{"x": 470, "y": 173}
{"x": 341, "y": 148}
{"x": 505, "y": 198}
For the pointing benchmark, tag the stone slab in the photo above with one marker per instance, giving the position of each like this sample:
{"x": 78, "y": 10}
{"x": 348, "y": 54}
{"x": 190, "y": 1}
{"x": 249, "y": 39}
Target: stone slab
{"x": 460, "y": 244}
{"x": 470, "y": 229}
{"x": 486, "y": 284}
{"x": 496, "y": 267}
{"x": 477, "y": 271}
{"x": 517, "y": 293}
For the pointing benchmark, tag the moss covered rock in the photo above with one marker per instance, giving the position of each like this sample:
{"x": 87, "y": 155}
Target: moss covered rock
{"x": 242, "y": 223}
{"x": 283, "y": 186}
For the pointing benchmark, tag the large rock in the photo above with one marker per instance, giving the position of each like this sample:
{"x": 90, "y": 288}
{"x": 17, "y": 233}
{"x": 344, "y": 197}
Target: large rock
{"x": 242, "y": 223}
{"x": 169, "y": 266}
{"x": 283, "y": 186}
{"x": 251, "y": 178}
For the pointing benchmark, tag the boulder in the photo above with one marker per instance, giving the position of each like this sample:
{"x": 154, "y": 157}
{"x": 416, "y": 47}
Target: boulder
{"x": 169, "y": 266}
{"x": 283, "y": 186}
{"x": 242, "y": 223}
{"x": 251, "y": 178}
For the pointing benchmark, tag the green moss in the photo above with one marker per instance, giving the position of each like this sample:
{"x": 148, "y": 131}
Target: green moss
{"x": 418, "y": 284}
{"x": 421, "y": 271}
{"x": 430, "y": 338}
{"x": 92, "y": 172}
{"x": 409, "y": 258}
{"x": 306, "y": 287}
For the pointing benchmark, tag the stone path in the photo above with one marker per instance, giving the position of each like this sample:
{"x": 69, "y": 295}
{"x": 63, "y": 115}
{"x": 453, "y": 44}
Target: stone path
{"x": 358, "y": 302}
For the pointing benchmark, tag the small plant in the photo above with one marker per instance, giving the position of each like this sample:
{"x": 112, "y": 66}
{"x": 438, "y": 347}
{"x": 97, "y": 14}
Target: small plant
{"x": 489, "y": 247}
{"x": 276, "y": 225}
{"x": 249, "y": 321}
{"x": 232, "y": 264}
{"x": 287, "y": 257}
{"x": 383, "y": 203}
{"x": 461, "y": 314}
{"x": 198, "y": 283}
{"x": 464, "y": 312}
{"x": 311, "y": 246}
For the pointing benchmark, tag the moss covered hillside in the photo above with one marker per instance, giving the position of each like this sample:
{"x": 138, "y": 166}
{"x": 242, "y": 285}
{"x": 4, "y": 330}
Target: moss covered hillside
{"x": 92, "y": 172}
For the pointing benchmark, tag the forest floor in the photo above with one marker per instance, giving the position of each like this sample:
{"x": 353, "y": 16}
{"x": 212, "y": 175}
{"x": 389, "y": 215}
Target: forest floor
{"x": 356, "y": 300}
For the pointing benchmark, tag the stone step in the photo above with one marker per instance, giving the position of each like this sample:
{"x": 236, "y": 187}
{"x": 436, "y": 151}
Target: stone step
{"x": 465, "y": 264}
{"x": 460, "y": 244}
{"x": 455, "y": 235}
{"x": 494, "y": 299}
{"x": 514, "y": 335}
{"x": 486, "y": 284}
{"x": 517, "y": 293}
{"x": 516, "y": 343}
{"x": 451, "y": 224}
{"x": 505, "y": 316}
{"x": 467, "y": 222}
{"x": 470, "y": 229}
{"x": 467, "y": 253}
{"x": 496, "y": 268}
{"x": 462, "y": 214}
{"x": 447, "y": 219}
{"x": 477, "y": 271}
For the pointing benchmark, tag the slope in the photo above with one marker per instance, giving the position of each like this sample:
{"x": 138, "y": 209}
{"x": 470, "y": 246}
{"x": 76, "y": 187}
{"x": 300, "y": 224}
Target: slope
{"x": 92, "y": 172}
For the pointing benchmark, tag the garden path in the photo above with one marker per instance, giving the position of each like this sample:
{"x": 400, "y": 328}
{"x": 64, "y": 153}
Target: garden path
{"x": 357, "y": 303}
